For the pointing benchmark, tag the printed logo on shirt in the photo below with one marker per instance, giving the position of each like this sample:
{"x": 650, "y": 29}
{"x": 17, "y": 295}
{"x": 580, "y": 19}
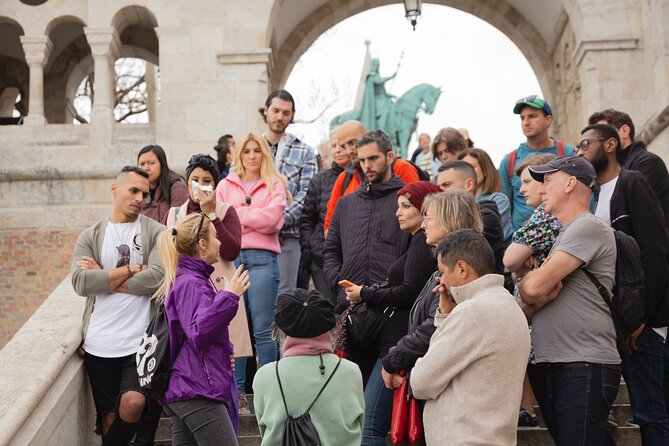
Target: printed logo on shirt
{"x": 137, "y": 244}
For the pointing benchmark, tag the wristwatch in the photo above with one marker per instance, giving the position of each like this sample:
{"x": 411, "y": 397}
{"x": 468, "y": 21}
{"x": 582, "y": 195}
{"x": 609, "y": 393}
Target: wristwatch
{"x": 212, "y": 216}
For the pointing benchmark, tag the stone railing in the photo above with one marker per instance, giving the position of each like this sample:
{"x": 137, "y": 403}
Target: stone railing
{"x": 44, "y": 395}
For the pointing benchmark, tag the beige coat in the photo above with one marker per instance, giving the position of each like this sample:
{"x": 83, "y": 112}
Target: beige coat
{"x": 472, "y": 374}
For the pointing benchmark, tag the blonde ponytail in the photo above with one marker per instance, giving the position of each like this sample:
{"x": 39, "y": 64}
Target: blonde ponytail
{"x": 180, "y": 240}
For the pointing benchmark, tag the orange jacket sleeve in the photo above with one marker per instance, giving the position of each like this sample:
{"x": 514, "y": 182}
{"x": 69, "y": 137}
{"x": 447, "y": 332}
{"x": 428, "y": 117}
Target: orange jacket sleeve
{"x": 334, "y": 197}
{"x": 405, "y": 171}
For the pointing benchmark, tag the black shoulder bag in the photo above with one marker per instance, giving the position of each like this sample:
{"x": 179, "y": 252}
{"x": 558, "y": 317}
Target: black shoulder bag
{"x": 300, "y": 431}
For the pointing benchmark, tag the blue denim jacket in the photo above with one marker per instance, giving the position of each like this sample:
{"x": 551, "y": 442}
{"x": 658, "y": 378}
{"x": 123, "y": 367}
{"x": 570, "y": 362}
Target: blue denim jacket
{"x": 296, "y": 161}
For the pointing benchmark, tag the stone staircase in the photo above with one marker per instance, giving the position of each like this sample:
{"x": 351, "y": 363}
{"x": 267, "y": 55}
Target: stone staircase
{"x": 624, "y": 434}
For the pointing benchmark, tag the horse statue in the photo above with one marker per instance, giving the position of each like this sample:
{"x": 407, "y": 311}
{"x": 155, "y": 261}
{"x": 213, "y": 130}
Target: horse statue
{"x": 400, "y": 119}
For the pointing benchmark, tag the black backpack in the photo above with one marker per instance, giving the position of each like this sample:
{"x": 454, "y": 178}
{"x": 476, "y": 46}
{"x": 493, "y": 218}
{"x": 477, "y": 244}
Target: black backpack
{"x": 422, "y": 175}
{"x": 153, "y": 356}
{"x": 301, "y": 431}
{"x": 628, "y": 301}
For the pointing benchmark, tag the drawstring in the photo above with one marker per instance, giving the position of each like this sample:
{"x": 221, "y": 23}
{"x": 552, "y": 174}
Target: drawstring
{"x": 322, "y": 366}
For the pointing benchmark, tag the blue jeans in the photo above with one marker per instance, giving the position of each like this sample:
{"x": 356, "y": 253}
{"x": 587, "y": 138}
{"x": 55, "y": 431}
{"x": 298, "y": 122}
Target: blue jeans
{"x": 260, "y": 300}
{"x": 575, "y": 399}
{"x": 378, "y": 409}
{"x": 643, "y": 373}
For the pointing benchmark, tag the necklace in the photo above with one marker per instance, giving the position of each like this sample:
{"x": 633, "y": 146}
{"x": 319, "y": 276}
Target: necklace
{"x": 247, "y": 198}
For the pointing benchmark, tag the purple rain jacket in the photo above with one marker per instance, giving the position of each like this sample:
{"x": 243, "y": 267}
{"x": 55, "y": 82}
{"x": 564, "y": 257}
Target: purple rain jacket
{"x": 198, "y": 319}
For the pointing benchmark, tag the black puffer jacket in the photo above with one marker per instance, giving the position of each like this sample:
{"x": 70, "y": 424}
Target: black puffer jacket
{"x": 421, "y": 327}
{"x": 312, "y": 240}
{"x": 364, "y": 238}
{"x": 637, "y": 157}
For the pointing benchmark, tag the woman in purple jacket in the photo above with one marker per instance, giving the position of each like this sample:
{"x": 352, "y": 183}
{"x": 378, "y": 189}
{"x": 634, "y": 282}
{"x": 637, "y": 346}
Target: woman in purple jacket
{"x": 201, "y": 397}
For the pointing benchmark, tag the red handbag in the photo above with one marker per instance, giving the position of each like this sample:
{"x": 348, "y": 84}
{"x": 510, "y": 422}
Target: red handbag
{"x": 406, "y": 422}
{"x": 400, "y": 420}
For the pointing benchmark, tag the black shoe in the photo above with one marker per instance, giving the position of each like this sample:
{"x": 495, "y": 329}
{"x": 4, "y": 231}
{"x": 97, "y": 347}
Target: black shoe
{"x": 611, "y": 420}
{"x": 526, "y": 419}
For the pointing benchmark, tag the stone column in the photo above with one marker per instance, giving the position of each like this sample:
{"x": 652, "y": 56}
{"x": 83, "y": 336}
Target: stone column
{"x": 37, "y": 50}
{"x": 105, "y": 45}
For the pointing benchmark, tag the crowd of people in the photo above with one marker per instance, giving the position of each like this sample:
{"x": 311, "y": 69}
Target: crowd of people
{"x": 486, "y": 290}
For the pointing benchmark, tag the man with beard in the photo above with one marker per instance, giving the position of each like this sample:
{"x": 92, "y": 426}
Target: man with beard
{"x": 295, "y": 160}
{"x": 628, "y": 203}
{"x": 364, "y": 237}
{"x": 117, "y": 268}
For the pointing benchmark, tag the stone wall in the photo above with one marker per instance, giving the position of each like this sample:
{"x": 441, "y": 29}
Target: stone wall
{"x": 32, "y": 262}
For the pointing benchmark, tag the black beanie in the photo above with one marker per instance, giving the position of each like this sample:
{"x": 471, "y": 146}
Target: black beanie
{"x": 205, "y": 162}
{"x": 304, "y": 314}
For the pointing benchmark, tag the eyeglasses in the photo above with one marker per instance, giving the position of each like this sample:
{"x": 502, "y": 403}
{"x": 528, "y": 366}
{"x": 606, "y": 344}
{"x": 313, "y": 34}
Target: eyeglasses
{"x": 199, "y": 228}
{"x": 124, "y": 251}
{"x": 585, "y": 143}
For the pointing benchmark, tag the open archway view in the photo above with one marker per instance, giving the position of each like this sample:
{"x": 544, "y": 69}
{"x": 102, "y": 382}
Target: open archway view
{"x": 136, "y": 92}
{"x": 480, "y": 72}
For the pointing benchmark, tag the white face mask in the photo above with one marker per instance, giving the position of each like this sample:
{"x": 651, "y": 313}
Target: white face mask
{"x": 197, "y": 188}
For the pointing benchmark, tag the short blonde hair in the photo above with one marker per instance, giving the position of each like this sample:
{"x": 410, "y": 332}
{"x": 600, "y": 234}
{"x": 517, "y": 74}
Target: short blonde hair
{"x": 455, "y": 210}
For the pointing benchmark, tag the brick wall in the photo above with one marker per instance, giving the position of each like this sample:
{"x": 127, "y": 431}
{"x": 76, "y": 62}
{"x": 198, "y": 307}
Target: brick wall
{"x": 32, "y": 264}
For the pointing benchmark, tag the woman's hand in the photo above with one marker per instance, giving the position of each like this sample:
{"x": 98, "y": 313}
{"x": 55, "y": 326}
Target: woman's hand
{"x": 239, "y": 282}
{"x": 207, "y": 201}
{"x": 353, "y": 293}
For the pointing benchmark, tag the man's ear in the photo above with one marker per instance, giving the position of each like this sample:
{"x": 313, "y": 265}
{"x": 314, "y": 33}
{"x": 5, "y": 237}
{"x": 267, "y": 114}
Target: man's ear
{"x": 550, "y": 120}
{"x": 114, "y": 189}
{"x": 469, "y": 184}
{"x": 610, "y": 146}
{"x": 624, "y": 131}
{"x": 390, "y": 157}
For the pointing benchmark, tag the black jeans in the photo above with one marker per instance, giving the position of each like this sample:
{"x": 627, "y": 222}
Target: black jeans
{"x": 575, "y": 399}
{"x": 200, "y": 422}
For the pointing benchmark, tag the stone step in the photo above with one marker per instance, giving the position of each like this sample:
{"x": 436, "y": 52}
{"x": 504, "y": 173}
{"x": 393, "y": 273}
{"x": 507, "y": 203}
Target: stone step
{"x": 538, "y": 436}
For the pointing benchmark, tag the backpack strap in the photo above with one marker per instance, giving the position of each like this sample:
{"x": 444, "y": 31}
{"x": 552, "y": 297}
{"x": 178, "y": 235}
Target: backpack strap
{"x": 512, "y": 164}
{"x": 283, "y": 397}
{"x": 560, "y": 147}
{"x": 604, "y": 292}
{"x": 348, "y": 177}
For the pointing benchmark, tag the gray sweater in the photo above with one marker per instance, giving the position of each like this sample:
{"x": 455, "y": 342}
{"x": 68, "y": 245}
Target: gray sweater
{"x": 90, "y": 283}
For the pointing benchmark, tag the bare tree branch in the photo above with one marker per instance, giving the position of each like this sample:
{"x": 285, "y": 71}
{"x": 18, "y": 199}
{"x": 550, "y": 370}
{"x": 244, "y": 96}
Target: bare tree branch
{"x": 309, "y": 121}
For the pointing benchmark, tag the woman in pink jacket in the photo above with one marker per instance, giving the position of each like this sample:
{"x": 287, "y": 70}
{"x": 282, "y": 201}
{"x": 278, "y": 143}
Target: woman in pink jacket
{"x": 258, "y": 192}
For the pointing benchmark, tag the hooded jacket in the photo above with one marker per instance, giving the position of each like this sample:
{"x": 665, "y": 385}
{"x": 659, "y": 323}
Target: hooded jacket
{"x": 198, "y": 318}
{"x": 312, "y": 240}
{"x": 263, "y": 219}
{"x": 364, "y": 237}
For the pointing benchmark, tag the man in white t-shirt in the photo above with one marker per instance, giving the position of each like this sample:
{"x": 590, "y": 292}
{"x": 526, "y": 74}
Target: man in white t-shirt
{"x": 627, "y": 203}
{"x": 577, "y": 371}
{"x": 117, "y": 268}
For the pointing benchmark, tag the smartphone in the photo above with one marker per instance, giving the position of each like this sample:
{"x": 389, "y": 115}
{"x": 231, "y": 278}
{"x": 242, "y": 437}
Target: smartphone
{"x": 346, "y": 284}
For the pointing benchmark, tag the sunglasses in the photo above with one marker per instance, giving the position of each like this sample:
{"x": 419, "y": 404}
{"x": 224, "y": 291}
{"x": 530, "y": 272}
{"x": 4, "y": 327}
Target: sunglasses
{"x": 534, "y": 99}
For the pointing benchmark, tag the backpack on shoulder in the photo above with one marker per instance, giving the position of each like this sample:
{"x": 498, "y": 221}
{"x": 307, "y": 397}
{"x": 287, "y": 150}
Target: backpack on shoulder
{"x": 154, "y": 364}
{"x": 628, "y": 300}
{"x": 513, "y": 155}
{"x": 300, "y": 431}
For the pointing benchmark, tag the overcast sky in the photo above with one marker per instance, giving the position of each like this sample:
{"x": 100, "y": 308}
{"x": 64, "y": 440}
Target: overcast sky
{"x": 480, "y": 71}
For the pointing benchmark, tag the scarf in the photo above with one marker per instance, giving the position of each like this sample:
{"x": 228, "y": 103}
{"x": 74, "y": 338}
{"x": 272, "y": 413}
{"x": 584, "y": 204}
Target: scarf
{"x": 307, "y": 346}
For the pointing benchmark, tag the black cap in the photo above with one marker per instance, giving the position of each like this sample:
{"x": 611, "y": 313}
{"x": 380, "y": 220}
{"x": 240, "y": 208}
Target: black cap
{"x": 571, "y": 165}
{"x": 304, "y": 314}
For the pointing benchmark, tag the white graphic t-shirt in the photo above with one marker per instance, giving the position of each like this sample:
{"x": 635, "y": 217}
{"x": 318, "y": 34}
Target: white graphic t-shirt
{"x": 118, "y": 320}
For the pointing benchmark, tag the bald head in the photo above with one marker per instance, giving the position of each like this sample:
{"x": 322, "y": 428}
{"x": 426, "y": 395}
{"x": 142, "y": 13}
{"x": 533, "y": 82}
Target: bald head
{"x": 347, "y": 134}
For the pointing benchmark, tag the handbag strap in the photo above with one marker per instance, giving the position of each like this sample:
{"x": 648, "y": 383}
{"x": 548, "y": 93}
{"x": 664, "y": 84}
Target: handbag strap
{"x": 283, "y": 396}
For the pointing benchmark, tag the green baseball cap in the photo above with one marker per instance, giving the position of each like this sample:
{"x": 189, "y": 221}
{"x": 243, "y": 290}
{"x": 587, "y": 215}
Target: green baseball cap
{"x": 535, "y": 102}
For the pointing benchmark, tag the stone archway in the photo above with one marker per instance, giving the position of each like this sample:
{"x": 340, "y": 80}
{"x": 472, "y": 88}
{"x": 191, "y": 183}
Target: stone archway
{"x": 539, "y": 35}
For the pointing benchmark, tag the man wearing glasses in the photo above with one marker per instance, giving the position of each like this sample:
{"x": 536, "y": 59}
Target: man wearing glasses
{"x": 536, "y": 117}
{"x": 349, "y": 180}
{"x": 634, "y": 155}
{"x": 628, "y": 203}
{"x": 116, "y": 267}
